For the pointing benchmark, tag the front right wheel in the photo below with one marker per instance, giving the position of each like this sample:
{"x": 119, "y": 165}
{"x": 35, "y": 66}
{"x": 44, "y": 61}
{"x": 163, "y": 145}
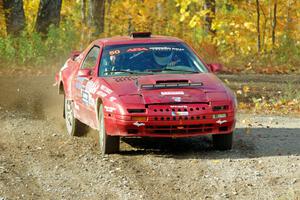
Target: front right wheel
{"x": 222, "y": 142}
{"x": 108, "y": 144}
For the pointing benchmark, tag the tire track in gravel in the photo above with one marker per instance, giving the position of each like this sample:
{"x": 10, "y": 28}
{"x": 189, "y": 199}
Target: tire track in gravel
{"x": 264, "y": 163}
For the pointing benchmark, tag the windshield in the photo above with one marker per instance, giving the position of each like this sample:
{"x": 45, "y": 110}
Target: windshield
{"x": 136, "y": 59}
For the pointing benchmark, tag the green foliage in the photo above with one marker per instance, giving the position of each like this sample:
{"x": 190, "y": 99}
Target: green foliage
{"x": 288, "y": 52}
{"x": 60, "y": 39}
{"x": 7, "y": 49}
{"x": 33, "y": 49}
{"x": 233, "y": 43}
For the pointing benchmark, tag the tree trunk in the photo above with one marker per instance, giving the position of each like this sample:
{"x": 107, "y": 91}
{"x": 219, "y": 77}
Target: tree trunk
{"x": 1, "y": 9}
{"x": 258, "y": 25}
{"x": 83, "y": 11}
{"x": 263, "y": 31}
{"x": 109, "y": 2}
{"x": 274, "y": 24}
{"x": 97, "y": 16}
{"x": 14, "y": 16}
{"x": 210, "y": 5}
{"x": 49, "y": 13}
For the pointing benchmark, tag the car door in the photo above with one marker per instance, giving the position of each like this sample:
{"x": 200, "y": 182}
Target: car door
{"x": 84, "y": 85}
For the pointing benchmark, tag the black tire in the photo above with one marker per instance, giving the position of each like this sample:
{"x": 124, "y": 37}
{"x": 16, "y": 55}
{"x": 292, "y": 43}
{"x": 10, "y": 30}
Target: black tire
{"x": 108, "y": 144}
{"x": 73, "y": 125}
{"x": 222, "y": 142}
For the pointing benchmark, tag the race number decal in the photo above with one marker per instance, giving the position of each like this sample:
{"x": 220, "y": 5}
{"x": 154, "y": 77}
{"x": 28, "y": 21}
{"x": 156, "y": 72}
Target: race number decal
{"x": 114, "y": 52}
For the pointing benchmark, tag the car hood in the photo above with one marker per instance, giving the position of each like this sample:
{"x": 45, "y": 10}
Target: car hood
{"x": 130, "y": 88}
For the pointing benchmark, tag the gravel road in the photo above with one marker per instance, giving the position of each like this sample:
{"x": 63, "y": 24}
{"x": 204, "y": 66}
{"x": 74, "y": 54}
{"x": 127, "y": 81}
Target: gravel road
{"x": 38, "y": 160}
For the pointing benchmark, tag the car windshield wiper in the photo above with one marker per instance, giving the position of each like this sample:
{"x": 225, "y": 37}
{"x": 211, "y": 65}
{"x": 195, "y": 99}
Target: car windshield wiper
{"x": 125, "y": 71}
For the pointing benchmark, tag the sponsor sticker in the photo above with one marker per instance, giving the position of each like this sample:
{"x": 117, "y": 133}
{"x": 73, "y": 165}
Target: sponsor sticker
{"x": 114, "y": 52}
{"x": 184, "y": 113}
{"x": 91, "y": 101}
{"x": 172, "y": 93}
{"x": 112, "y": 99}
{"x": 79, "y": 82}
{"x": 92, "y": 87}
{"x": 177, "y": 99}
{"x": 85, "y": 97}
{"x": 106, "y": 89}
{"x": 137, "y": 49}
{"x": 101, "y": 93}
{"x": 109, "y": 109}
{"x": 178, "y": 106}
{"x": 166, "y": 49}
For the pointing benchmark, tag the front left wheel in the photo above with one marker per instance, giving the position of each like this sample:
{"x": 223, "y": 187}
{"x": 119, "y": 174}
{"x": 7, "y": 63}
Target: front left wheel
{"x": 108, "y": 144}
{"x": 74, "y": 126}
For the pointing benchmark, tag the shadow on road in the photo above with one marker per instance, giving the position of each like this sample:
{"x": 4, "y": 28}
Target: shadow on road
{"x": 248, "y": 143}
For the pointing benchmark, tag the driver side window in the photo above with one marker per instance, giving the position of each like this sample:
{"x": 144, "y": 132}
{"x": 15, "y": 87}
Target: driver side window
{"x": 91, "y": 58}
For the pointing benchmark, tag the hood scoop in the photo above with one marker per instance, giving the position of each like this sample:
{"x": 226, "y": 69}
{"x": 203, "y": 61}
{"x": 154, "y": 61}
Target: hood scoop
{"x": 170, "y": 84}
{"x": 171, "y": 81}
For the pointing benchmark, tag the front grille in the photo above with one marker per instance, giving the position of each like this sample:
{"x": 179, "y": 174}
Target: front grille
{"x": 176, "y": 112}
{"x": 191, "y": 109}
{"x": 177, "y": 118}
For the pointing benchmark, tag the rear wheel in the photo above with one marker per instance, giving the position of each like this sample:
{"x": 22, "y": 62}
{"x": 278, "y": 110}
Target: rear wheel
{"x": 222, "y": 141}
{"x": 74, "y": 126}
{"x": 108, "y": 144}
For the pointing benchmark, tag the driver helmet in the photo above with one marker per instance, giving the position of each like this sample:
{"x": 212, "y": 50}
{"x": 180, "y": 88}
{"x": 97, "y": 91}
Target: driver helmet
{"x": 163, "y": 57}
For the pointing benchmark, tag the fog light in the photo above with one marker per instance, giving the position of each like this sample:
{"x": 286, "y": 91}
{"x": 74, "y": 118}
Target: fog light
{"x": 216, "y": 116}
{"x": 138, "y": 118}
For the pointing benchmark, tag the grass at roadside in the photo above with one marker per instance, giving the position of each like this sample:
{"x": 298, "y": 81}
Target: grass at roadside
{"x": 266, "y": 94}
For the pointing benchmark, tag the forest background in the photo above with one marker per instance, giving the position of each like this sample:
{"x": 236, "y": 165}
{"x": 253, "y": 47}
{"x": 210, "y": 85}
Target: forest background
{"x": 248, "y": 36}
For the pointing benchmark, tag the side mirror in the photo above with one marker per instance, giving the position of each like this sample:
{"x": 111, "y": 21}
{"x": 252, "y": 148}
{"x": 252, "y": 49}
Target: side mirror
{"x": 75, "y": 54}
{"x": 84, "y": 72}
{"x": 215, "y": 67}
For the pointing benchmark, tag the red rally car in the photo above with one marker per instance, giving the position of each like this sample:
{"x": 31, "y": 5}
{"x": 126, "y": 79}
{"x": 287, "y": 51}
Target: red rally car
{"x": 145, "y": 86}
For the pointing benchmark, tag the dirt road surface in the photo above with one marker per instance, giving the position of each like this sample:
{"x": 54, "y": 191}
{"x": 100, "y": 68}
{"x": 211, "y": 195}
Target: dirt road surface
{"x": 38, "y": 160}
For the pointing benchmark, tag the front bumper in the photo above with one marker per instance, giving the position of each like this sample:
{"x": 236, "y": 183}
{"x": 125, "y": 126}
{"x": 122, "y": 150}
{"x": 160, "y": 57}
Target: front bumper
{"x": 170, "y": 126}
